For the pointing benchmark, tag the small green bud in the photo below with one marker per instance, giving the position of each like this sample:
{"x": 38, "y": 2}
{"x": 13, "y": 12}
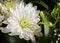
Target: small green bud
{"x": 58, "y": 4}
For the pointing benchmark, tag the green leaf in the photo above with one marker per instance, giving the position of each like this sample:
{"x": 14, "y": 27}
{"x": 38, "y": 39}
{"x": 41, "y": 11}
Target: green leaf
{"x": 44, "y": 5}
{"x": 56, "y": 13}
{"x": 38, "y": 2}
{"x": 14, "y": 39}
{"x": 41, "y": 22}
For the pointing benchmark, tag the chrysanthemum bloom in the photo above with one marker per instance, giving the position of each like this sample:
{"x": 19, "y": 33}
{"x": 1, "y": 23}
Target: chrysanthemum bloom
{"x": 4, "y": 13}
{"x": 23, "y": 22}
{"x": 5, "y": 6}
{"x": 2, "y": 10}
{"x": 9, "y": 4}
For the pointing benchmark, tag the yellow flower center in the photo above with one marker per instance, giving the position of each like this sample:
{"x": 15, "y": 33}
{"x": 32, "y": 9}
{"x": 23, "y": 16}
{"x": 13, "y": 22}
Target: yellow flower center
{"x": 24, "y": 22}
{"x": 8, "y": 0}
{"x": 10, "y": 5}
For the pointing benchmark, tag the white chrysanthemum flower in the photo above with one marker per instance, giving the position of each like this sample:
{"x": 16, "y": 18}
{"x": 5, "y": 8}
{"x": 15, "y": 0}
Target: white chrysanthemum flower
{"x": 2, "y": 10}
{"x": 23, "y": 22}
{"x": 10, "y": 3}
{"x": 3, "y": 15}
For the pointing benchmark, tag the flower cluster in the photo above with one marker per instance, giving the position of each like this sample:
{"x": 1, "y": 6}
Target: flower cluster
{"x": 21, "y": 20}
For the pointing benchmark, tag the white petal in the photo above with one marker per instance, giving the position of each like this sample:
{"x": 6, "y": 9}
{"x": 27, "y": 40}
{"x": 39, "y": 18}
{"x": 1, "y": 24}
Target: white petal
{"x": 5, "y": 30}
{"x": 28, "y": 6}
{"x": 32, "y": 38}
{"x": 12, "y": 11}
{"x": 5, "y": 22}
{"x": 21, "y": 6}
{"x": 1, "y": 18}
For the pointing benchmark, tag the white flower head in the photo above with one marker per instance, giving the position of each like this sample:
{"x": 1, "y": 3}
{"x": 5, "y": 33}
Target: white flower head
{"x": 3, "y": 15}
{"x": 2, "y": 10}
{"x": 23, "y": 21}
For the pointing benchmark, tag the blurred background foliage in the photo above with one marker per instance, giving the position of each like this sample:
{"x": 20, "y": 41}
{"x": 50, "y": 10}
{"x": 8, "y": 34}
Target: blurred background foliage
{"x": 50, "y": 21}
